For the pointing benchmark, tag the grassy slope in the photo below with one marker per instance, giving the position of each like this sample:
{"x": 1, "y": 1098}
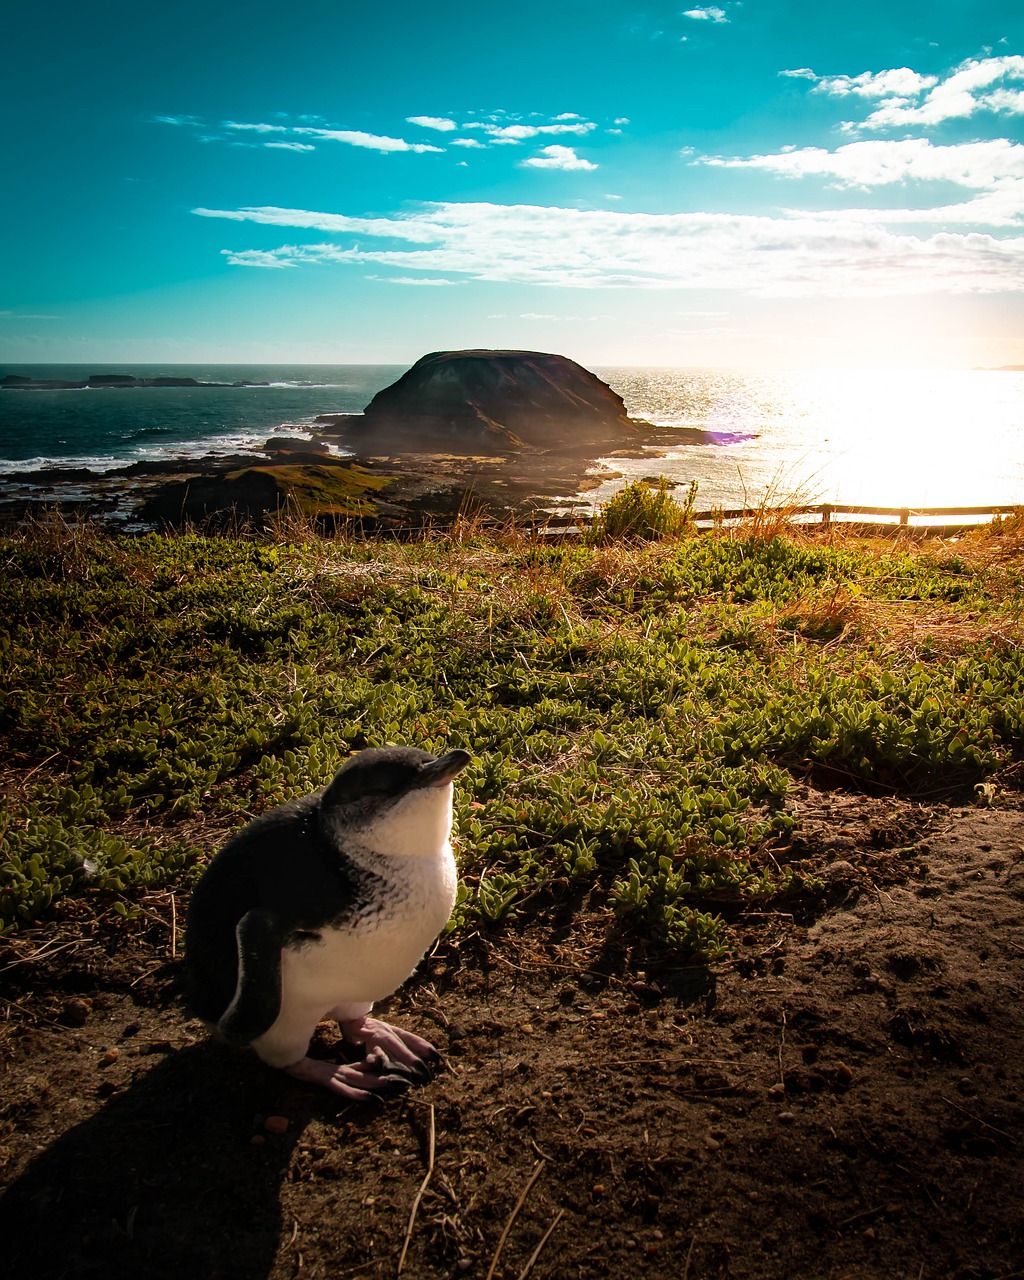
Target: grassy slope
{"x": 635, "y": 712}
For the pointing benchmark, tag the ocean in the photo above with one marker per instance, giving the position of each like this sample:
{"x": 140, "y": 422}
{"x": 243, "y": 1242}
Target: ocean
{"x": 877, "y": 438}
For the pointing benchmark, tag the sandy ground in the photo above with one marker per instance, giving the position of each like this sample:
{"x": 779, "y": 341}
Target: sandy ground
{"x": 843, "y": 1097}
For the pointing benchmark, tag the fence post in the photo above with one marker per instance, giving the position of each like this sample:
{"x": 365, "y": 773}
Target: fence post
{"x": 826, "y": 514}
{"x": 904, "y": 515}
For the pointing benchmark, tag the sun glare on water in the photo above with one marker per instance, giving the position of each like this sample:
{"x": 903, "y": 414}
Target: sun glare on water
{"x": 888, "y": 438}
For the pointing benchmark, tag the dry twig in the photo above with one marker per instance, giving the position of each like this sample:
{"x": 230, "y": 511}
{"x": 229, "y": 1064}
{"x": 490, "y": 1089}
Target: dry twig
{"x": 543, "y": 1241}
{"x": 419, "y": 1194}
{"x": 538, "y": 1169}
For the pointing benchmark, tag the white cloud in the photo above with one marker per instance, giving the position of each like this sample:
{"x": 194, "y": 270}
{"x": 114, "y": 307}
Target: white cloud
{"x": 710, "y": 14}
{"x": 466, "y": 142}
{"x": 256, "y": 128}
{"x": 900, "y": 81}
{"x": 287, "y": 256}
{"x": 26, "y": 315}
{"x": 568, "y": 115}
{"x": 621, "y": 120}
{"x": 994, "y": 168}
{"x": 796, "y": 256}
{"x": 291, "y": 146}
{"x": 371, "y": 141}
{"x": 556, "y": 157}
{"x": 441, "y": 123}
{"x": 418, "y": 280}
{"x": 908, "y": 98}
{"x": 177, "y": 120}
{"x": 519, "y": 132}
{"x": 979, "y": 165}
{"x": 800, "y": 73}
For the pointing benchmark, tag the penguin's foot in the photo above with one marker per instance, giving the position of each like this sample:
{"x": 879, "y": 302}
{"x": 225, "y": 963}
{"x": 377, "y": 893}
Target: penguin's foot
{"x": 402, "y": 1050}
{"x": 354, "y": 1081}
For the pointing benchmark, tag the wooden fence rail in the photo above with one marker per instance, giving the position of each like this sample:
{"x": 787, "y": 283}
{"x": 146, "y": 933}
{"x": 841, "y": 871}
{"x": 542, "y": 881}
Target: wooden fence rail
{"x": 824, "y": 509}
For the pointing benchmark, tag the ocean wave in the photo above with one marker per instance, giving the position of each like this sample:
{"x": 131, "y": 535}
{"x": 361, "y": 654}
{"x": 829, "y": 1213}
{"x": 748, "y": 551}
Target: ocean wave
{"x": 219, "y": 446}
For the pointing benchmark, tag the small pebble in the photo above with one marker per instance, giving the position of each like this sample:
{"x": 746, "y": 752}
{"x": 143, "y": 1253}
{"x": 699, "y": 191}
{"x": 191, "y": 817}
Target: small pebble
{"x": 843, "y": 1072}
{"x": 276, "y": 1124}
{"x": 597, "y": 1189}
{"x": 712, "y": 1144}
{"x": 777, "y": 1090}
{"x": 110, "y": 1056}
{"x": 257, "y": 1140}
{"x": 786, "y": 1117}
{"x": 77, "y": 1010}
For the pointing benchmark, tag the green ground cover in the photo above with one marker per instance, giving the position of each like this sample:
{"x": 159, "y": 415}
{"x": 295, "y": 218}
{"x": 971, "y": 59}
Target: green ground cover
{"x": 636, "y": 711}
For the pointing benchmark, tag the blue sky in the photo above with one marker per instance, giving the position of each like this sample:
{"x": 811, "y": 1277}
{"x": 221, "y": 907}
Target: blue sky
{"x": 758, "y": 184}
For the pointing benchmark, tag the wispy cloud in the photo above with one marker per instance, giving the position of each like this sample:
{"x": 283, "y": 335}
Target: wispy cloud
{"x": 795, "y": 256}
{"x": 520, "y": 132}
{"x": 371, "y": 141}
{"x": 27, "y": 315}
{"x": 558, "y": 157}
{"x": 994, "y": 168}
{"x": 877, "y": 163}
{"x": 291, "y": 146}
{"x": 441, "y": 123}
{"x": 467, "y": 142}
{"x": 177, "y": 120}
{"x": 710, "y": 14}
{"x": 800, "y": 73}
{"x": 433, "y": 281}
{"x": 255, "y": 128}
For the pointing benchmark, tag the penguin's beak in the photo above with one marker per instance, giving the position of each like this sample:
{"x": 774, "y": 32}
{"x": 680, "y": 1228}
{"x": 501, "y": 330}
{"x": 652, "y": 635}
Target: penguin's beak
{"x": 441, "y": 771}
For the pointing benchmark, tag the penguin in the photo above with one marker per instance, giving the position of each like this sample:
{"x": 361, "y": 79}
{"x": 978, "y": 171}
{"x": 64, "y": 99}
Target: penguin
{"x": 320, "y": 908}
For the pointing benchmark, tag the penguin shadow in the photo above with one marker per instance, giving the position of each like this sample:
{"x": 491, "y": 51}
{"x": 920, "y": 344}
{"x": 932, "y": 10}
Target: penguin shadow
{"x": 163, "y": 1180}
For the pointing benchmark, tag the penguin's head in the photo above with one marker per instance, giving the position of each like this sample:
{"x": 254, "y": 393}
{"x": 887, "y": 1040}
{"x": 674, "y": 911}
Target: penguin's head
{"x": 393, "y": 800}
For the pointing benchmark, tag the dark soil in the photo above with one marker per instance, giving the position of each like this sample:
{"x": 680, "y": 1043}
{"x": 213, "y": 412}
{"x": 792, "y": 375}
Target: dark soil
{"x": 844, "y": 1097}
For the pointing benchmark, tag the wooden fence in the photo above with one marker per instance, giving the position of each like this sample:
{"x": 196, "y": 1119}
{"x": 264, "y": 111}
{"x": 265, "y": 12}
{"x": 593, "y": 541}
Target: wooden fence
{"x": 895, "y": 517}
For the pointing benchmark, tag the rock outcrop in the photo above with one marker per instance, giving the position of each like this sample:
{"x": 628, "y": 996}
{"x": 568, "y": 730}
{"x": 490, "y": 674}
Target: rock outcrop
{"x": 491, "y": 401}
{"x": 251, "y": 494}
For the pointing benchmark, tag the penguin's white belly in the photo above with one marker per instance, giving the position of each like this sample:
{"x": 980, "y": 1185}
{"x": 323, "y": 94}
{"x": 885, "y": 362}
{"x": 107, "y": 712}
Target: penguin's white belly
{"x": 368, "y": 957}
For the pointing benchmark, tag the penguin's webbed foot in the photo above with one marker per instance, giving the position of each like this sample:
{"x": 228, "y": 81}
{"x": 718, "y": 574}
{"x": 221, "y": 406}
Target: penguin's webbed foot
{"x": 354, "y": 1081}
{"x": 402, "y": 1051}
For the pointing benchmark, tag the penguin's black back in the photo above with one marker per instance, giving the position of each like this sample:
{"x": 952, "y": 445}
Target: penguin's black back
{"x": 282, "y": 863}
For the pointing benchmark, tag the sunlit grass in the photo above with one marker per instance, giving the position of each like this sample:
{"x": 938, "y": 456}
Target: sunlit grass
{"x": 636, "y": 710}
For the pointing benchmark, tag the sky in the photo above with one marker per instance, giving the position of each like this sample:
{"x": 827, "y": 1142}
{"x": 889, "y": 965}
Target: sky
{"x": 756, "y": 185}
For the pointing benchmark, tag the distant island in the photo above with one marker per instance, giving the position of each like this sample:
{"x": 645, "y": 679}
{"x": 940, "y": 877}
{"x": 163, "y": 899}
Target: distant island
{"x": 106, "y": 381}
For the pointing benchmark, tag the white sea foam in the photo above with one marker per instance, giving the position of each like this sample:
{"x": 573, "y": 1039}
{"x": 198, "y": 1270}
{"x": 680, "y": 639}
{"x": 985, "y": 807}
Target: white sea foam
{"x": 213, "y": 446}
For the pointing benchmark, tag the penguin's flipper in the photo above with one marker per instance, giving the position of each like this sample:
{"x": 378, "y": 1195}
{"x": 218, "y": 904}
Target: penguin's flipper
{"x": 257, "y": 998}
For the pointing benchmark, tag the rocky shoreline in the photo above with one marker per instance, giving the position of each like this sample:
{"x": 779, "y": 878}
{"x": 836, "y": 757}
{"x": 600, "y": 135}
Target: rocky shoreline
{"x": 500, "y": 433}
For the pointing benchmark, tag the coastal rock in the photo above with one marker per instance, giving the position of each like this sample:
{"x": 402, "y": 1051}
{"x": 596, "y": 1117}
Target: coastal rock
{"x": 494, "y": 401}
{"x": 108, "y": 381}
{"x": 251, "y": 494}
{"x": 301, "y": 452}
